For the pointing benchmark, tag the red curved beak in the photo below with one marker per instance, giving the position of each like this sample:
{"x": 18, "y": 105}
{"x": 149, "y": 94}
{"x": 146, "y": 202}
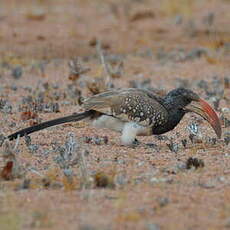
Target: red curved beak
{"x": 202, "y": 108}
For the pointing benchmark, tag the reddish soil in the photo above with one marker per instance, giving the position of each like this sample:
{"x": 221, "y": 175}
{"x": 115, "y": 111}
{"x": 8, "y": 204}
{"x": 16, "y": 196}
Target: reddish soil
{"x": 142, "y": 187}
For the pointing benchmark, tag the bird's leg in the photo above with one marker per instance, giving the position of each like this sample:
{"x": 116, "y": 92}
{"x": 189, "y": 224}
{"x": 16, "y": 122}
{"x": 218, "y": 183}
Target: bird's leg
{"x": 129, "y": 133}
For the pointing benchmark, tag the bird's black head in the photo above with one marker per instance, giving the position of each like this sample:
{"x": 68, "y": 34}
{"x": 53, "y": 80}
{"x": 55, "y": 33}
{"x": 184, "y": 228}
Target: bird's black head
{"x": 180, "y": 101}
{"x": 179, "y": 98}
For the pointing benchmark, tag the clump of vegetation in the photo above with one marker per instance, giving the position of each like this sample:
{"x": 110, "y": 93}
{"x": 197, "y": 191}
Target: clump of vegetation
{"x": 104, "y": 180}
{"x": 194, "y": 163}
{"x": 11, "y": 168}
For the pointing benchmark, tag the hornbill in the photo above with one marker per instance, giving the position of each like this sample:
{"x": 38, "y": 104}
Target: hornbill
{"x": 136, "y": 112}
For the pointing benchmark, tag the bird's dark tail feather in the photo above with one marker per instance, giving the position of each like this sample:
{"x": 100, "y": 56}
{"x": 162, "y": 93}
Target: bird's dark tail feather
{"x": 46, "y": 124}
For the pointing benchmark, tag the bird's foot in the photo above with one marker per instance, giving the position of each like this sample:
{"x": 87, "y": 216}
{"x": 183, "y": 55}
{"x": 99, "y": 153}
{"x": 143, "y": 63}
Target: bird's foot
{"x": 133, "y": 144}
{"x": 136, "y": 143}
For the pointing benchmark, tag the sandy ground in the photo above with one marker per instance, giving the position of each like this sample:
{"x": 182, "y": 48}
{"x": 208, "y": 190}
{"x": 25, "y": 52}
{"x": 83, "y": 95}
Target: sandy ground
{"x": 100, "y": 184}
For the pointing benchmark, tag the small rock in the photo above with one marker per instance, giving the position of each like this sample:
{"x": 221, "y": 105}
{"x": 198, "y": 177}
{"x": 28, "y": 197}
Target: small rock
{"x": 17, "y": 72}
{"x": 174, "y": 147}
{"x": 181, "y": 166}
{"x": 208, "y": 185}
{"x": 121, "y": 179}
{"x": 163, "y": 201}
{"x": 151, "y": 226}
{"x": 87, "y": 227}
{"x": 227, "y": 139}
{"x": 5, "y": 106}
{"x": 2, "y": 139}
{"x": 222, "y": 179}
{"x": 33, "y": 148}
{"x": 184, "y": 142}
{"x": 178, "y": 20}
{"x": 209, "y": 19}
{"x": 226, "y": 122}
{"x": 202, "y": 84}
{"x": 26, "y": 184}
{"x": 227, "y": 222}
{"x": 28, "y": 140}
{"x": 155, "y": 180}
{"x": 196, "y": 53}
{"x": 68, "y": 172}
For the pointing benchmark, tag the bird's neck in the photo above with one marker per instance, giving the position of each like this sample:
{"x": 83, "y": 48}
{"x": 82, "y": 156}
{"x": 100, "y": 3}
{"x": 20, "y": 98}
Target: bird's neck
{"x": 175, "y": 114}
{"x": 173, "y": 120}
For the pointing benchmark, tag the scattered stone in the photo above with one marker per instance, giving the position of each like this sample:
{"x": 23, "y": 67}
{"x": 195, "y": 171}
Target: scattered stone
{"x": 171, "y": 170}
{"x": 178, "y": 20}
{"x": 33, "y": 148}
{"x": 227, "y": 138}
{"x": 193, "y": 128}
{"x": 195, "y": 135}
{"x": 145, "y": 84}
{"x": 153, "y": 146}
{"x": 68, "y": 154}
{"x": 52, "y": 107}
{"x": 87, "y": 227}
{"x": 17, "y": 72}
{"x": 182, "y": 83}
{"x": 196, "y": 53}
{"x": 216, "y": 102}
{"x": 25, "y": 184}
{"x": 194, "y": 163}
{"x": 226, "y": 121}
{"x": 211, "y": 141}
{"x": 227, "y": 82}
{"x": 96, "y": 140}
{"x": 68, "y": 172}
{"x": 2, "y": 139}
{"x": 163, "y": 201}
{"x": 227, "y": 222}
{"x": 173, "y": 147}
{"x": 27, "y": 140}
{"x": 151, "y": 226}
{"x": 208, "y": 185}
{"x": 181, "y": 166}
{"x": 155, "y": 180}
{"x": 184, "y": 142}
{"x": 14, "y": 87}
{"x": 12, "y": 124}
{"x": 202, "y": 84}
{"x": 222, "y": 179}
{"x": 209, "y": 19}
{"x": 162, "y": 138}
{"x": 120, "y": 179}
{"x": 5, "y": 106}
{"x": 190, "y": 28}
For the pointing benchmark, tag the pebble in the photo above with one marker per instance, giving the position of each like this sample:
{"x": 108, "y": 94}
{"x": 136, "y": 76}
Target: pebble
{"x": 33, "y": 148}
{"x": 155, "y": 180}
{"x": 174, "y": 147}
{"x": 17, "y": 72}
{"x": 121, "y": 179}
{"x": 196, "y": 53}
{"x": 151, "y": 226}
{"x": 2, "y": 139}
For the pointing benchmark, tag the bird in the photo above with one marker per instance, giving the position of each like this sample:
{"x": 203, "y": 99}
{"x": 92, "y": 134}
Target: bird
{"x": 136, "y": 112}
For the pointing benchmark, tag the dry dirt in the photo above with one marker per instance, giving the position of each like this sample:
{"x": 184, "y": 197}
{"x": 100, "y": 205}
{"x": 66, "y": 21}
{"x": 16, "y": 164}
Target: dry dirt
{"x": 154, "y": 44}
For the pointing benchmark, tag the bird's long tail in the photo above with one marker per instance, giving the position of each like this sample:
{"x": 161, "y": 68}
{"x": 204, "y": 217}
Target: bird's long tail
{"x": 46, "y": 124}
